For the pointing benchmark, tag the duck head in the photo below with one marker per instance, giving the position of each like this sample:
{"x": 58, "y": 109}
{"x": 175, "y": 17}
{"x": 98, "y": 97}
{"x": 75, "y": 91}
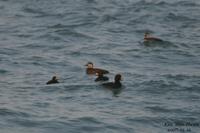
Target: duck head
{"x": 89, "y": 65}
{"x": 146, "y": 35}
{"x": 118, "y": 78}
{"x": 54, "y": 78}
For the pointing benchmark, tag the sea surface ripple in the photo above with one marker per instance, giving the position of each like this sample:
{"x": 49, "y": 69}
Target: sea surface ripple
{"x": 161, "y": 81}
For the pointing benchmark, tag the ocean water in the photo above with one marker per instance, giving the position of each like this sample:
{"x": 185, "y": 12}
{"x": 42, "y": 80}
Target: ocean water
{"x": 161, "y": 81}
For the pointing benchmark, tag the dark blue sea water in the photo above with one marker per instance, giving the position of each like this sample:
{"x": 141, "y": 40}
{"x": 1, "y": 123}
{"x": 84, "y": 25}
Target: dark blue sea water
{"x": 161, "y": 81}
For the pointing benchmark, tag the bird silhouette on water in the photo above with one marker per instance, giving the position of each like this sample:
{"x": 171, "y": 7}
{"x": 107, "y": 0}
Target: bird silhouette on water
{"x": 101, "y": 77}
{"x": 91, "y": 70}
{"x": 54, "y": 80}
{"x": 116, "y": 84}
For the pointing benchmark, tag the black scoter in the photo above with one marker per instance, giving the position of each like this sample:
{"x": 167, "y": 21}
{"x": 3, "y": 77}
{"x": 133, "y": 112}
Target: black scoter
{"x": 54, "y": 80}
{"x": 115, "y": 84}
{"x": 101, "y": 77}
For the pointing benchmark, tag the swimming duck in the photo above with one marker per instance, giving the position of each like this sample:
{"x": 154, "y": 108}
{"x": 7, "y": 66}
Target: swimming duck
{"x": 91, "y": 70}
{"x": 101, "y": 77}
{"x": 115, "y": 84}
{"x": 147, "y": 37}
{"x": 54, "y": 80}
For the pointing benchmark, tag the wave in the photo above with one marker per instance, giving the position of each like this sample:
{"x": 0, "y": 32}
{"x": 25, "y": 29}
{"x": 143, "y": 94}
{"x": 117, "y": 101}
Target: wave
{"x": 73, "y": 33}
{"x": 181, "y": 76}
{"x": 3, "y": 71}
{"x": 34, "y": 11}
{"x": 163, "y": 2}
{"x": 8, "y": 112}
{"x": 187, "y": 3}
{"x": 180, "y": 18}
{"x": 37, "y": 12}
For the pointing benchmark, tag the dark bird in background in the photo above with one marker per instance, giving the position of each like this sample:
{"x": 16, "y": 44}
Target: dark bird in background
{"x": 116, "y": 84}
{"x": 147, "y": 37}
{"x": 91, "y": 70}
{"x": 101, "y": 77}
{"x": 54, "y": 80}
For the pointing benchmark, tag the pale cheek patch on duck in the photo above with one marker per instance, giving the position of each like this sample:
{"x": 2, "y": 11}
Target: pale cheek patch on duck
{"x": 90, "y": 66}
